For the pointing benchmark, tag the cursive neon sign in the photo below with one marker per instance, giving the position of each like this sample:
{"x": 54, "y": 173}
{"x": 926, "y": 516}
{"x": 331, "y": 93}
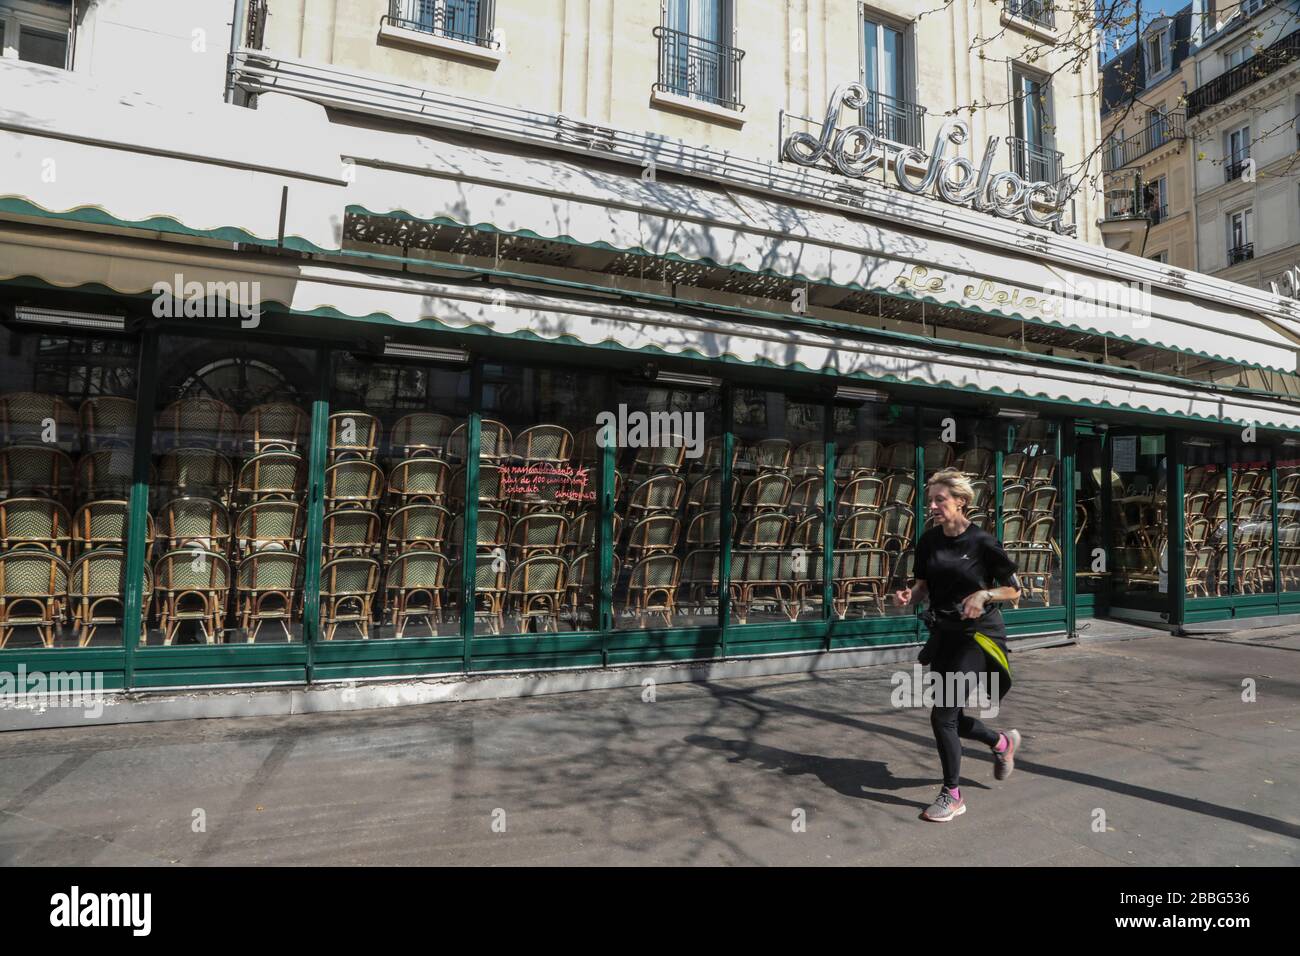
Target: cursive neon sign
{"x": 856, "y": 150}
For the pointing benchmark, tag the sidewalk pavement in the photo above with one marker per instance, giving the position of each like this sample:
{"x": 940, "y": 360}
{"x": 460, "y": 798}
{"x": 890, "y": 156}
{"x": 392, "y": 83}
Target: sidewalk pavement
{"x": 1153, "y": 733}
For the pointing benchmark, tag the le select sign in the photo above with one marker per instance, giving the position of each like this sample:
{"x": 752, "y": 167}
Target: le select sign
{"x": 856, "y": 150}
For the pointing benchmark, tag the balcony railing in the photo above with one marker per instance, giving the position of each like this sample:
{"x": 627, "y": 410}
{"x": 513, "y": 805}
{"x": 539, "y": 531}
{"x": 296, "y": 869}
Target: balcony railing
{"x": 1233, "y": 169}
{"x": 895, "y": 120}
{"x": 1267, "y": 61}
{"x": 1241, "y": 253}
{"x": 1040, "y": 12}
{"x": 1036, "y": 163}
{"x": 699, "y": 68}
{"x": 1134, "y": 203}
{"x": 1155, "y": 134}
{"x": 469, "y": 21}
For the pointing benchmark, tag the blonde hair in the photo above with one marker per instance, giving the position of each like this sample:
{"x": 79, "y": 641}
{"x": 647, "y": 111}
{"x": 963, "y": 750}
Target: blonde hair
{"x": 956, "y": 483}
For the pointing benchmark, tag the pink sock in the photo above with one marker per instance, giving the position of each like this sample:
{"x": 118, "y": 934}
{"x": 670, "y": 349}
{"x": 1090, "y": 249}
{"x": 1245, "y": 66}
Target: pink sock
{"x": 1002, "y": 744}
{"x": 956, "y": 792}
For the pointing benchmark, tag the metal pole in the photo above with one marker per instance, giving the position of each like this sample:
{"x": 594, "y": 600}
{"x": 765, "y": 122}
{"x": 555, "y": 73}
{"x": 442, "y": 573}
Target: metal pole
{"x": 237, "y": 22}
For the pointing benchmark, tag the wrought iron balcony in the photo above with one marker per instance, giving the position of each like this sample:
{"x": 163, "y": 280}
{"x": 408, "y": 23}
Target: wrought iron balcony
{"x": 699, "y": 68}
{"x": 1241, "y": 253}
{"x": 1267, "y": 61}
{"x": 1233, "y": 169}
{"x": 1123, "y": 204}
{"x": 1168, "y": 129}
{"x": 1036, "y": 163}
{"x": 1134, "y": 203}
{"x": 469, "y": 21}
{"x": 1040, "y": 12}
{"x": 895, "y": 120}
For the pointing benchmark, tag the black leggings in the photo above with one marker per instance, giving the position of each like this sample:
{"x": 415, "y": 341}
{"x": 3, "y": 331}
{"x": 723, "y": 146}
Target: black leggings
{"x": 957, "y": 654}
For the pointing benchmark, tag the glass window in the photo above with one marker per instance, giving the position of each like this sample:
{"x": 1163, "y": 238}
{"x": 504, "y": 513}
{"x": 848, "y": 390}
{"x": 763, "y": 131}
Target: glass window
{"x": 67, "y": 433}
{"x": 1251, "y": 521}
{"x": 1205, "y": 518}
{"x": 539, "y": 500}
{"x": 875, "y": 507}
{"x": 48, "y": 49}
{"x": 1090, "y": 561}
{"x": 668, "y": 513}
{"x": 227, "y": 495}
{"x": 394, "y": 498}
{"x": 1139, "y": 522}
{"x": 1157, "y": 53}
{"x": 1238, "y": 145}
{"x": 887, "y": 71}
{"x": 1031, "y": 508}
{"x": 776, "y": 566}
{"x": 1288, "y": 518}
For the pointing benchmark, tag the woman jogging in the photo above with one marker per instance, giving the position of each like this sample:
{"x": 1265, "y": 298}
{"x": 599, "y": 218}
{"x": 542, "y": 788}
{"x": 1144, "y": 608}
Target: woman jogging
{"x": 959, "y": 567}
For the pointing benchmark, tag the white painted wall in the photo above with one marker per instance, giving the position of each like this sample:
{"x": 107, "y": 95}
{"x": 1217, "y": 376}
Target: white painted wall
{"x": 170, "y": 49}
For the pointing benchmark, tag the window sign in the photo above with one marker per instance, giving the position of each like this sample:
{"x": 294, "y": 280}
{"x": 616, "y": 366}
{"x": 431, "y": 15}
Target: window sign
{"x": 1124, "y": 453}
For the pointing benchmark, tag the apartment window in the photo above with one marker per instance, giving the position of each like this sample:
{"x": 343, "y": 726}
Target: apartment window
{"x": 1249, "y": 7}
{"x": 48, "y": 49}
{"x": 1238, "y": 55}
{"x": 1155, "y": 200}
{"x": 468, "y": 21}
{"x": 1161, "y": 257}
{"x": 1031, "y": 145}
{"x": 1157, "y": 127}
{"x": 1240, "y": 246}
{"x": 696, "y": 55}
{"x": 1117, "y": 147}
{"x": 36, "y": 33}
{"x": 887, "y": 74}
{"x": 1236, "y": 151}
{"x": 1157, "y": 51}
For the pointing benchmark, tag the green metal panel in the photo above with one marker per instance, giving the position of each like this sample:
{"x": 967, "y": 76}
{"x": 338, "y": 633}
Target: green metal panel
{"x": 324, "y": 671}
{"x": 633, "y": 640}
{"x": 561, "y": 642}
{"x": 216, "y": 676}
{"x": 407, "y": 649}
{"x": 187, "y": 656}
{"x": 317, "y": 454}
{"x": 138, "y": 511}
{"x": 785, "y": 645}
{"x": 108, "y": 662}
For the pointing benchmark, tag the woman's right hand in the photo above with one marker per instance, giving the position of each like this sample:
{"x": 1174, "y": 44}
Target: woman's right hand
{"x": 903, "y": 597}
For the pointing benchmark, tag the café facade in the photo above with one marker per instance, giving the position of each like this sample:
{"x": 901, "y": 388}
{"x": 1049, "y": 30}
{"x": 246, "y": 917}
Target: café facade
{"x": 275, "y": 380}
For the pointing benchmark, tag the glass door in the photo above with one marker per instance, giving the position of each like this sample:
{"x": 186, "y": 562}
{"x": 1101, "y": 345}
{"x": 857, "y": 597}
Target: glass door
{"x": 1139, "y": 579}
